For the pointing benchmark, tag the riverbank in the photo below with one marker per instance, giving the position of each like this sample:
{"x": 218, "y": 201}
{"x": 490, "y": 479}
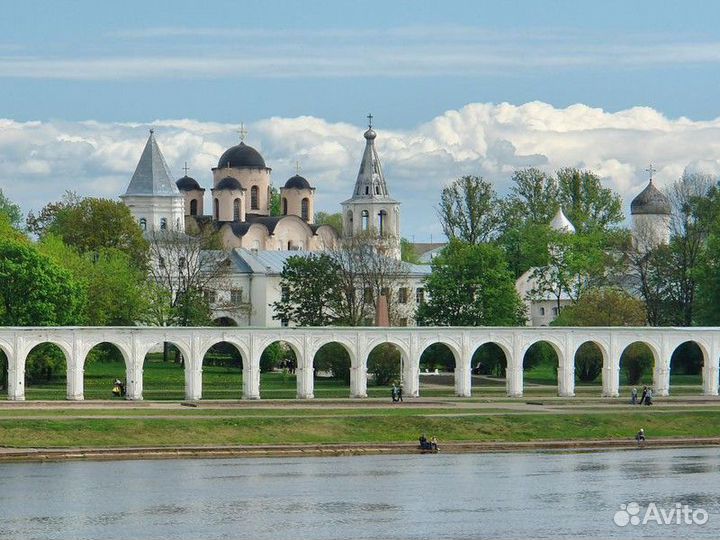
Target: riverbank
{"x": 125, "y": 430}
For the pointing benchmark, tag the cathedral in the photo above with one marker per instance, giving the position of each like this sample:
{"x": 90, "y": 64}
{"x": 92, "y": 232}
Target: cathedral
{"x": 241, "y": 202}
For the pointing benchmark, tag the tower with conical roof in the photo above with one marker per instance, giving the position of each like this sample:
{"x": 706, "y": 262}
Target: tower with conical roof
{"x": 370, "y": 212}
{"x": 152, "y": 196}
{"x": 650, "y": 212}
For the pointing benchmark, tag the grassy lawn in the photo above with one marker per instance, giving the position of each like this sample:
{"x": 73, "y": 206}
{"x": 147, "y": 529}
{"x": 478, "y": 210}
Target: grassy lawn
{"x": 353, "y": 428}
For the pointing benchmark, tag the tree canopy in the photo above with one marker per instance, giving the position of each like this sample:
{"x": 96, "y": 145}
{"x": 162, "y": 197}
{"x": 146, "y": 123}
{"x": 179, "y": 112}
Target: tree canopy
{"x": 471, "y": 285}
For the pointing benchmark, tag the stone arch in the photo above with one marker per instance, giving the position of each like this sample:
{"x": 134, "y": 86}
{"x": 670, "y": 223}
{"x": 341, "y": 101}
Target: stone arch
{"x": 96, "y": 377}
{"x": 623, "y": 358}
{"x": 437, "y": 380}
{"x": 489, "y": 373}
{"x": 221, "y": 377}
{"x": 51, "y": 381}
{"x": 593, "y": 356}
{"x": 334, "y": 360}
{"x": 168, "y": 379}
{"x": 543, "y": 373}
{"x": 693, "y": 348}
{"x": 381, "y": 366}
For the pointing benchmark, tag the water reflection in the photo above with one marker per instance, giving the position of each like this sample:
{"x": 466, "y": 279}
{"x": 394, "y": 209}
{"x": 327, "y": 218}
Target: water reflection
{"x": 409, "y": 497}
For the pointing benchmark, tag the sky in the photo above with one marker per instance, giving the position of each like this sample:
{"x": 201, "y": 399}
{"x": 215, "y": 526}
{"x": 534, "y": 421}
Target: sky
{"x": 455, "y": 88}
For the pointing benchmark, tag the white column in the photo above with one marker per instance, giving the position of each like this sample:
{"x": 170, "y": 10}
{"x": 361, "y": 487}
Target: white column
{"x": 514, "y": 372}
{"x": 251, "y": 377}
{"x": 411, "y": 375}
{"x": 193, "y": 380}
{"x": 134, "y": 377}
{"x": 358, "y": 379}
{"x": 611, "y": 371}
{"x": 74, "y": 376}
{"x": 710, "y": 370}
{"x": 566, "y": 370}
{"x": 463, "y": 378}
{"x": 305, "y": 379}
{"x": 16, "y": 378}
{"x": 661, "y": 371}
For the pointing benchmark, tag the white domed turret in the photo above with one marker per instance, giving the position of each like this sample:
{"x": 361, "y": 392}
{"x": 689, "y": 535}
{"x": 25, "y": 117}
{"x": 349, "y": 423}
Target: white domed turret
{"x": 561, "y": 223}
{"x": 650, "y": 212}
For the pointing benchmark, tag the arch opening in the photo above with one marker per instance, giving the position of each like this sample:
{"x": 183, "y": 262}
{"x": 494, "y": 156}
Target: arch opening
{"x": 488, "y": 367}
{"x": 104, "y": 363}
{"x": 636, "y": 365}
{"x": 3, "y": 372}
{"x": 224, "y": 322}
{"x": 222, "y": 371}
{"x": 686, "y": 366}
{"x": 45, "y": 372}
{"x": 437, "y": 370}
{"x": 588, "y": 367}
{"x": 332, "y": 364}
{"x": 384, "y": 368}
{"x": 540, "y": 369}
{"x": 164, "y": 372}
{"x": 278, "y": 363}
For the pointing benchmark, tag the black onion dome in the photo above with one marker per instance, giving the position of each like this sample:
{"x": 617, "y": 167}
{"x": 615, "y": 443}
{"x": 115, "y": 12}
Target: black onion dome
{"x": 242, "y": 156}
{"x": 650, "y": 201}
{"x": 297, "y": 182}
{"x": 228, "y": 183}
{"x": 187, "y": 183}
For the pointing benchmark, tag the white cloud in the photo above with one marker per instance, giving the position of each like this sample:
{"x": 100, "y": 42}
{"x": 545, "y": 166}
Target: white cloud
{"x": 40, "y": 160}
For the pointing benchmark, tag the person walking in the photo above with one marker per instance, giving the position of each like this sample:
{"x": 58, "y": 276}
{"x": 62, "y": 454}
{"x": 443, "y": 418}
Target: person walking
{"x": 400, "y": 393}
{"x": 642, "y": 398}
{"x": 633, "y": 396}
{"x": 394, "y": 393}
{"x": 648, "y": 397}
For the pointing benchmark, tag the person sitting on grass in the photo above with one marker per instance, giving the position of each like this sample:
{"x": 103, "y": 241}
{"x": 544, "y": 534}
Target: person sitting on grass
{"x": 640, "y": 437}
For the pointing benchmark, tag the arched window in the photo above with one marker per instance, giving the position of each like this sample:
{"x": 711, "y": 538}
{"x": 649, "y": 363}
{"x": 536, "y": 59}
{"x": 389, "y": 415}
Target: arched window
{"x": 216, "y": 209}
{"x": 305, "y": 209}
{"x": 365, "y": 220}
{"x": 254, "y": 198}
{"x": 377, "y": 190}
{"x": 236, "y": 210}
{"x": 163, "y": 224}
{"x": 143, "y": 224}
{"x": 284, "y": 205}
{"x": 350, "y": 222}
{"x": 382, "y": 216}
{"x": 193, "y": 207}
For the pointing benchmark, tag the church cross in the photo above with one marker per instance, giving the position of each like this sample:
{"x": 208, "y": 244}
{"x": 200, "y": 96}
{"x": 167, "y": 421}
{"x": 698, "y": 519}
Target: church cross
{"x": 370, "y": 117}
{"x": 651, "y": 170}
{"x": 242, "y": 131}
{"x": 297, "y": 167}
{"x": 186, "y": 168}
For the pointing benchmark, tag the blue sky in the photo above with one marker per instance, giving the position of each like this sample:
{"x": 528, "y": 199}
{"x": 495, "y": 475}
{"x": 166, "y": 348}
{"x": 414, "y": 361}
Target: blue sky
{"x": 415, "y": 65}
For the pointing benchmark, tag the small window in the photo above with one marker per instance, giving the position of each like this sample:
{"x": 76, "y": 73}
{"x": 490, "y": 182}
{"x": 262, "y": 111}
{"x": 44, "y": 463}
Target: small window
{"x": 554, "y": 311}
{"x": 381, "y": 221}
{"x": 420, "y": 295}
{"x": 367, "y": 190}
{"x": 236, "y": 296}
{"x": 254, "y": 204}
{"x": 377, "y": 190}
{"x": 542, "y": 311}
{"x": 305, "y": 209}
{"x": 210, "y": 296}
{"x": 284, "y": 206}
{"x": 285, "y": 294}
{"x": 284, "y": 322}
{"x": 365, "y": 220}
{"x": 163, "y": 224}
{"x": 193, "y": 207}
{"x": 143, "y": 224}
{"x": 236, "y": 210}
{"x": 385, "y": 292}
{"x": 402, "y": 295}
{"x": 216, "y": 209}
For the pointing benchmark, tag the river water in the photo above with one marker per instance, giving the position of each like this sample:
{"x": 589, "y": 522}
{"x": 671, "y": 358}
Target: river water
{"x": 532, "y": 495}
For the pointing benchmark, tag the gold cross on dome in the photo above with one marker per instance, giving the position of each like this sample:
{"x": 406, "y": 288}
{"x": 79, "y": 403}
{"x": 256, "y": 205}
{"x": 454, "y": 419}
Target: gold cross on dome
{"x": 651, "y": 170}
{"x": 242, "y": 131}
{"x": 369, "y": 117}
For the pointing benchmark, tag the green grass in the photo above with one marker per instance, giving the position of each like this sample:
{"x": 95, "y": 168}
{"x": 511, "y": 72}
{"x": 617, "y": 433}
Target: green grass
{"x": 354, "y": 428}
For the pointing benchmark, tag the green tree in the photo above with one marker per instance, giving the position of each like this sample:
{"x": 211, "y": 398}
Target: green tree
{"x": 334, "y": 220}
{"x": 92, "y": 224}
{"x": 407, "y": 252}
{"x": 334, "y": 358}
{"x": 468, "y": 210}
{"x": 636, "y": 360}
{"x": 603, "y": 307}
{"x": 310, "y": 291}
{"x": 384, "y": 364}
{"x": 11, "y": 211}
{"x": 275, "y": 208}
{"x": 34, "y": 291}
{"x": 533, "y": 198}
{"x": 470, "y": 285}
{"x": 586, "y": 203}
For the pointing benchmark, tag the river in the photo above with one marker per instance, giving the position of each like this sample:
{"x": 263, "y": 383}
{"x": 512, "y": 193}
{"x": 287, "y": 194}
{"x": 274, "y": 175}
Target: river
{"x": 512, "y": 495}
